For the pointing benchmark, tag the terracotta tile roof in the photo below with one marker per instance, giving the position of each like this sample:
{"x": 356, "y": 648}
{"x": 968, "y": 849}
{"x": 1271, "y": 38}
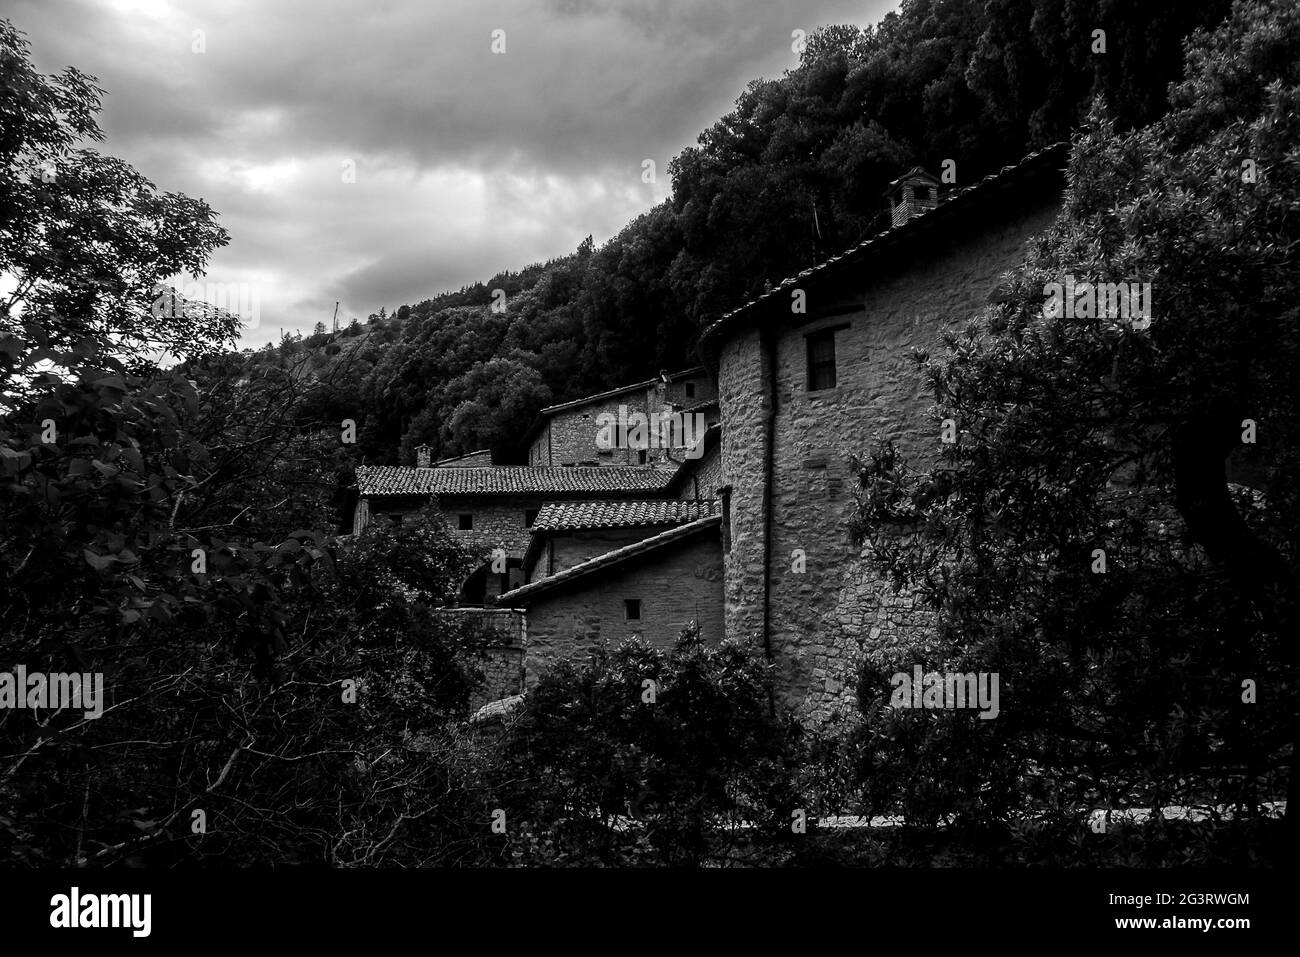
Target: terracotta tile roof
{"x": 521, "y": 596}
{"x": 916, "y": 171}
{"x": 572, "y": 516}
{"x": 508, "y": 480}
{"x": 952, "y": 202}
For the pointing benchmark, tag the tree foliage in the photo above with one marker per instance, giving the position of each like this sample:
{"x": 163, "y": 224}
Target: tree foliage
{"x": 1108, "y": 533}
{"x": 791, "y": 176}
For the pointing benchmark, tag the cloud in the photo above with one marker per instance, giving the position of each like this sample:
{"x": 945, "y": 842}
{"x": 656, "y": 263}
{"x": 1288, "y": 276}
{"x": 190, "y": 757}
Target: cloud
{"x": 466, "y": 162}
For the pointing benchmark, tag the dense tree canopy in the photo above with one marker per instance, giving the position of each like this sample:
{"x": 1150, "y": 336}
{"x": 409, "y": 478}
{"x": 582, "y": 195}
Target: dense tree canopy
{"x": 791, "y": 176}
{"x": 1115, "y": 529}
{"x": 174, "y": 527}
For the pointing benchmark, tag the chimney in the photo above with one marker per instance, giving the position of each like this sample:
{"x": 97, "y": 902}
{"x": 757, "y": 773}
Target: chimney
{"x": 911, "y": 195}
{"x": 423, "y": 456}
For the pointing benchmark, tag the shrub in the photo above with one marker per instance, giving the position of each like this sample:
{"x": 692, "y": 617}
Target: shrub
{"x": 644, "y": 756}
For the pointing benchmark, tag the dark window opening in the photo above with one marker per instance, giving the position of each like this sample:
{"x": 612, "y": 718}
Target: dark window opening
{"x": 530, "y": 516}
{"x": 631, "y": 609}
{"x": 821, "y": 360}
{"x": 641, "y": 456}
{"x": 466, "y": 522}
{"x": 690, "y": 390}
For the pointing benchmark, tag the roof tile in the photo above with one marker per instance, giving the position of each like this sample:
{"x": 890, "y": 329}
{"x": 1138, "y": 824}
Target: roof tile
{"x": 507, "y": 480}
{"x": 600, "y": 562}
{"x": 627, "y": 513}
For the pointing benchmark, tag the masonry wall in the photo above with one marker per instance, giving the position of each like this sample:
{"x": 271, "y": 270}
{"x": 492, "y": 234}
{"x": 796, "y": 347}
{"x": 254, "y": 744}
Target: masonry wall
{"x": 707, "y": 477}
{"x": 498, "y": 522}
{"x": 573, "y": 548}
{"x": 569, "y": 438}
{"x": 743, "y": 370}
{"x": 473, "y": 460}
{"x": 827, "y": 616}
{"x": 673, "y": 586}
{"x": 384, "y": 507}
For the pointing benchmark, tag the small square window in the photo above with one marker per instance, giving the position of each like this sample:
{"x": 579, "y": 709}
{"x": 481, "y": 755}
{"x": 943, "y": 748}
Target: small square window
{"x": 631, "y": 609}
{"x": 821, "y": 360}
{"x": 466, "y": 523}
{"x": 690, "y": 390}
{"x": 641, "y": 456}
{"x": 530, "y": 516}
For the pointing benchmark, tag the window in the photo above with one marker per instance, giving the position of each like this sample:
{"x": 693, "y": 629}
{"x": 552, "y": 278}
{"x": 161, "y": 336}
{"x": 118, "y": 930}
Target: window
{"x": 690, "y": 390}
{"x": 640, "y": 456}
{"x": 530, "y": 516}
{"x": 631, "y": 609}
{"x": 466, "y": 523}
{"x": 821, "y": 360}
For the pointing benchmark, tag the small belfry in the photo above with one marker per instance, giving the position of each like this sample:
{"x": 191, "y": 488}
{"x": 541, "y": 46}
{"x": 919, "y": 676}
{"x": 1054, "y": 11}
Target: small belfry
{"x": 911, "y": 194}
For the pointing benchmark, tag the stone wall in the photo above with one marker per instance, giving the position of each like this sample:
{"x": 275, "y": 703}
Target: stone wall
{"x": 671, "y": 583}
{"x": 472, "y": 460}
{"x": 566, "y": 549}
{"x": 569, "y": 436}
{"x": 743, "y": 371}
{"x": 706, "y": 477}
{"x": 827, "y": 605}
{"x": 498, "y": 522}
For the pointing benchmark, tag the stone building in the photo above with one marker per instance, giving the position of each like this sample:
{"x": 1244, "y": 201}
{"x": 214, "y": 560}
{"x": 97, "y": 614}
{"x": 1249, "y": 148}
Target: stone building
{"x": 650, "y": 589}
{"x": 749, "y": 533}
{"x": 493, "y": 508}
{"x": 800, "y": 393}
{"x": 567, "y": 434}
{"x": 699, "y": 477}
{"x": 570, "y": 533}
{"x": 470, "y": 460}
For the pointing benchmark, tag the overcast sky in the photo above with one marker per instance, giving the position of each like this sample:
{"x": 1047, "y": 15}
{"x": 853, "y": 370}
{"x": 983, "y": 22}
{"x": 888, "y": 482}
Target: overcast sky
{"x": 464, "y": 161}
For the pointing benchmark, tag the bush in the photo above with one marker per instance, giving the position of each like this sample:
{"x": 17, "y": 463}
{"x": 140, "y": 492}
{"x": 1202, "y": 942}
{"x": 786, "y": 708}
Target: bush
{"x": 643, "y": 756}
